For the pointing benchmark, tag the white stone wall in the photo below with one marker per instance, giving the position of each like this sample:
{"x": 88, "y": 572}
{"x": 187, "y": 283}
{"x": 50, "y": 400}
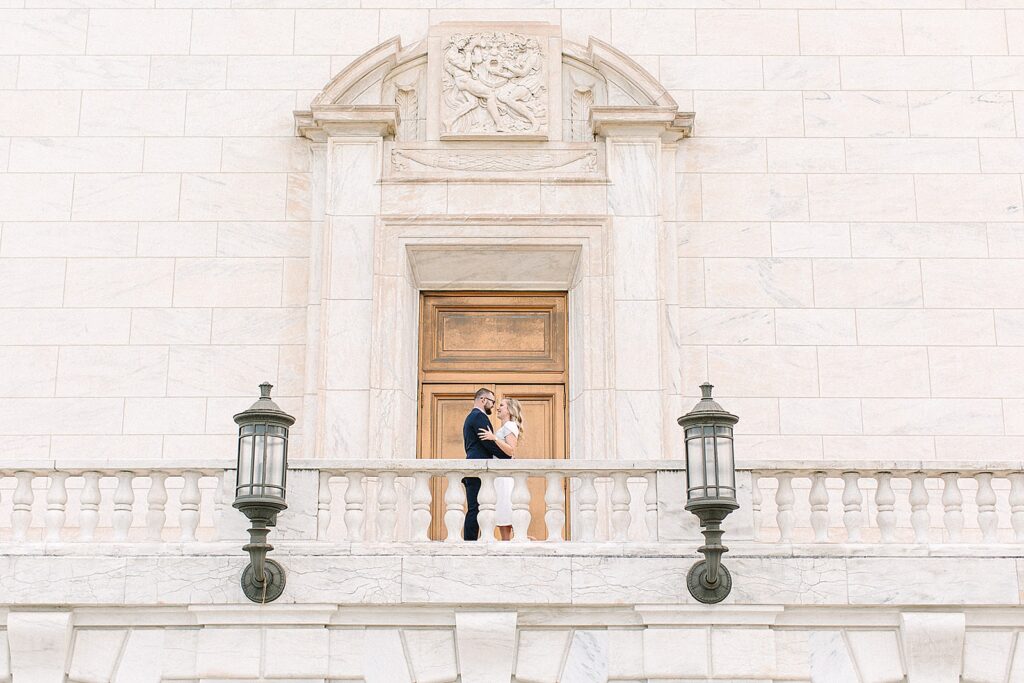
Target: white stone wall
{"x": 848, "y": 212}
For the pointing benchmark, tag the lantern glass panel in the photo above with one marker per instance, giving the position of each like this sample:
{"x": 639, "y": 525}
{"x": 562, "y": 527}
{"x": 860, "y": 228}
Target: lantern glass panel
{"x": 275, "y": 467}
{"x": 694, "y": 463}
{"x": 259, "y": 461}
{"x": 726, "y": 465}
{"x": 243, "y": 480}
{"x": 710, "y": 466}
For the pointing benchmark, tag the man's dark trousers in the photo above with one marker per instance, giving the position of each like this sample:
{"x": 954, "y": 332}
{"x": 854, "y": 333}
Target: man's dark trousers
{"x": 476, "y": 449}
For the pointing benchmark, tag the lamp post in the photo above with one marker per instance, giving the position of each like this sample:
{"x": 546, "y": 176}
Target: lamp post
{"x": 260, "y": 489}
{"x": 710, "y": 491}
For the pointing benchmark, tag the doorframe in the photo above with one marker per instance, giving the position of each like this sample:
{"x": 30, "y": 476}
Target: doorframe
{"x": 401, "y": 241}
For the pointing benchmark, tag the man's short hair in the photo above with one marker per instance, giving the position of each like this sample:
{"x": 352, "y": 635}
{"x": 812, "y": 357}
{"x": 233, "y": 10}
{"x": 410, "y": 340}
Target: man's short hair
{"x": 480, "y": 393}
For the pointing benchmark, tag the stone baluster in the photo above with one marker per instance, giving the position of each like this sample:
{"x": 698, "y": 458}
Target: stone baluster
{"x": 952, "y": 502}
{"x": 853, "y": 519}
{"x": 421, "y": 507}
{"x": 755, "y": 503}
{"x": 588, "y": 507}
{"x": 89, "y": 507}
{"x": 784, "y": 499}
{"x": 1017, "y": 505}
{"x": 323, "y": 505}
{"x": 986, "y": 500}
{"x": 520, "y": 508}
{"x": 920, "y": 519}
{"x": 554, "y": 502}
{"x": 387, "y": 507}
{"x": 651, "y": 505}
{"x": 156, "y": 501}
{"x": 488, "y": 500}
{"x": 885, "y": 502}
{"x": 56, "y": 503}
{"x": 191, "y": 497}
{"x": 124, "y": 497}
{"x": 21, "y": 516}
{"x": 620, "y": 506}
{"x": 355, "y": 506}
{"x": 818, "y": 499}
{"x": 454, "y": 507}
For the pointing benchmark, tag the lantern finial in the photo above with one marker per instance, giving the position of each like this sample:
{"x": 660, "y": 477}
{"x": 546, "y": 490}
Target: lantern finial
{"x": 265, "y": 389}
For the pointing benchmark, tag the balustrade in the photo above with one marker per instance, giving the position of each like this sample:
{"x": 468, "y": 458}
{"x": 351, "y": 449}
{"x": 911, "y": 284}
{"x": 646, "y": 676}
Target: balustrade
{"x": 912, "y": 503}
{"x": 380, "y": 501}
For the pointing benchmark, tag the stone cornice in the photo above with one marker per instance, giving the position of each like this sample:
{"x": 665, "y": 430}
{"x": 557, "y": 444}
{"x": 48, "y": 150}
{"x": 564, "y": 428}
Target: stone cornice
{"x": 329, "y": 120}
{"x": 665, "y": 122}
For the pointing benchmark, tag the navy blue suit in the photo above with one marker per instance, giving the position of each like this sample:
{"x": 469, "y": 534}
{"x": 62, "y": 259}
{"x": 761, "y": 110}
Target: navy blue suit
{"x": 476, "y": 449}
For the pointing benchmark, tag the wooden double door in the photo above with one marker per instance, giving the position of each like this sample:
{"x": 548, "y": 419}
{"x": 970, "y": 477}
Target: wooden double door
{"x": 514, "y": 345}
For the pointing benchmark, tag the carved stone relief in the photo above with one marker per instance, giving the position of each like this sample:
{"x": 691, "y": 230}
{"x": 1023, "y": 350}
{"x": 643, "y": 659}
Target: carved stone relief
{"x": 494, "y": 83}
{"x": 548, "y": 161}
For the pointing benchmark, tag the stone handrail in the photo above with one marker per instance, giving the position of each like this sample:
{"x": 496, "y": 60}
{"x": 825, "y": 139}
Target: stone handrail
{"x": 385, "y": 501}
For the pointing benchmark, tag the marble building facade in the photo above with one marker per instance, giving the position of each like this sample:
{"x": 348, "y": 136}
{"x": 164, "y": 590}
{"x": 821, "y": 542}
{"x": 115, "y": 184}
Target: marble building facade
{"x": 814, "y": 204}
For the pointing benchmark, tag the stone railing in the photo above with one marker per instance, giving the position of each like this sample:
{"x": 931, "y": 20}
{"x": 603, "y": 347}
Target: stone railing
{"x": 392, "y": 501}
{"x": 894, "y": 502}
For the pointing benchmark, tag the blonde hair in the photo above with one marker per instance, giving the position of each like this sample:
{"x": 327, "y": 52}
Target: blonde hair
{"x": 515, "y": 411}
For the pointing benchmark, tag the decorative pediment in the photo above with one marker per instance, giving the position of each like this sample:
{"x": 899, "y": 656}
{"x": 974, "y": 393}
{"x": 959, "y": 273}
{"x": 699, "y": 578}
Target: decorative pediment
{"x": 492, "y": 82}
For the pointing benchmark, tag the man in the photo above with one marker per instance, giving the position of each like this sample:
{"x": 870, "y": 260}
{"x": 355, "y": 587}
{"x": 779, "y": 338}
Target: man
{"x": 477, "y": 449}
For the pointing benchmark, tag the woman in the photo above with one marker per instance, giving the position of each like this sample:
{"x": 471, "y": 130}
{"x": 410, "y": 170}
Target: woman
{"x": 510, "y": 414}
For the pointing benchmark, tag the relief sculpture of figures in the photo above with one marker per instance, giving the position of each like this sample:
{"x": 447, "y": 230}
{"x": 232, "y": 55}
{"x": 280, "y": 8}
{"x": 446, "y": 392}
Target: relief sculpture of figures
{"x": 494, "y": 83}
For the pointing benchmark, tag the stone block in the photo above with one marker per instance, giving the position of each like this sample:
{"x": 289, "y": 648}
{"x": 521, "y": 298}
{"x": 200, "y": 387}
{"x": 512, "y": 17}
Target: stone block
{"x": 747, "y": 32}
{"x": 954, "y": 32}
{"x": 249, "y": 155}
{"x": 278, "y": 72}
{"x": 792, "y": 654}
{"x": 754, "y": 197}
{"x": 69, "y": 239}
{"x": 637, "y": 364}
{"x": 933, "y": 644}
{"x": 860, "y": 371}
{"x": 434, "y": 579}
{"x": 193, "y": 238}
{"x": 242, "y": 32}
{"x": 236, "y": 282}
{"x": 972, "y": 283}
{"x": 810, "y": 239}
{"x": 431, "y": 655}
{"x": 776, "y": 447}
{"x": 634, "y": 437}
{"x": 953, "y": 371}
{"x": 118, "y": 282}
{"x": 346, "y": 425}
{"x": 861, "y": 197}
{"x": 851, "y": 32}
{"x": 233, "y": 196}
{"x": 164, "y": 416}
{"x": 748, "y": 239}
{"x": 625, "y": 654}
{"x": 912, "y": 156}
{"x": 743, "y": 652}
{"x": 170, "y": 326}
{"x": 294, "y": 652}
{"x": 141, "y": 32}
{"x": 427, "y": 198}
{"x": 862, "y": 282}
{"x": 65, "y": 326}
{"x": 336, "y": 32}
{"x": 173, "y": 155}
{"x": 486, "y": 644}
{"x": 32, "y": 112}
{"x": 874, "y": 448}
{"x": 240, "y": 113}
{"x": 727, "y": 114}
{"x": 39, "y": 644}
{"x": 728, "y": 326}
{"x": 831, "y": 660}
{"x": 587, "y": 659}
{"x": 633, "y": 171}
{"x": 219, "y": 370}
{"x": 987, "y": 655}
{"x": 726, "y": 155}
{"x": 673, "y": 653}
{"x": 820, "y": 416}
{"x": 961, "y": 114}
{"x": 761, "y": 282}
{"x": 852, "y": 114}
{"x": 801, "y": 73}
{"x": 540, "y": 654}
{"x": 188, "y": 73}
{"x": 919, "y": 239}
{"x": 346, "y": 652}
{"x": 36, "y": 196}
{"x": 131, "y": 112}
{"x": 142, "y": 660}
{"x": 796, "y": 326}
{"x": 223, "y": 652}
{"x": 96, "y": 654}
{"x": 629, "y": 580}
{"x": 31, "y": 283}
{"x": 65, "y": 72}
{"x": 347, "y": 334}
{"x": 126, "y": 197}
{"x": 259, "y": 326}
{"x": 927, "y": 327}
{"x": 654, "y": 31}
{"x": 112, "y": 371}
{"x": 907, "y": 73}
{"x": 997, "y": 73}
{"x": 43, "y": 31}
{"x": 726, "y": 72}
{"x": 806, "y": 155}
{"x": 1001, "y": 156}
{"x": 933, "y": 581}
{"x": 950, "y": 197}
{"x": 764, "y": 370}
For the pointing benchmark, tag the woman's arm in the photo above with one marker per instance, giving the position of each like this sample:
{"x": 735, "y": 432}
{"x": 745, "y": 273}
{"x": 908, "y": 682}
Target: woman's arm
{"x": 508, "y": 446}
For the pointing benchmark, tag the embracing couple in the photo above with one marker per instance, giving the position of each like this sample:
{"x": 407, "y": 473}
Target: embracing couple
{"x": 483, "y": 444}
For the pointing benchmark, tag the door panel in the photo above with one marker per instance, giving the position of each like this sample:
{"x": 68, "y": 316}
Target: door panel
{"x": 444, "y": 409}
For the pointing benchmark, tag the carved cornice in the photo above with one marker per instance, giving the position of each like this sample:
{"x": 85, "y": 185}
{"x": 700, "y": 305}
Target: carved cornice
{"x": 666, "y": 122}
{"x": 327, "y": 120}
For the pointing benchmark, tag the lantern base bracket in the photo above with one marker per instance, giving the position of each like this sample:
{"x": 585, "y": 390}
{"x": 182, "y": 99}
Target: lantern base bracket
{"x": 701, "y": 590}
{"x": 270, "y": 588}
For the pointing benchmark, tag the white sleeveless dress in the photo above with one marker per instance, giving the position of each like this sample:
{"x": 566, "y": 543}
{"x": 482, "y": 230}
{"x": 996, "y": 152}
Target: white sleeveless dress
{"x": 503, "y": 485}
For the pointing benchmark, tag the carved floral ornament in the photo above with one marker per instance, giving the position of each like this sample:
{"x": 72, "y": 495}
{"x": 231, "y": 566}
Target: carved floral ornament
{"x": 493, "y": 82}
